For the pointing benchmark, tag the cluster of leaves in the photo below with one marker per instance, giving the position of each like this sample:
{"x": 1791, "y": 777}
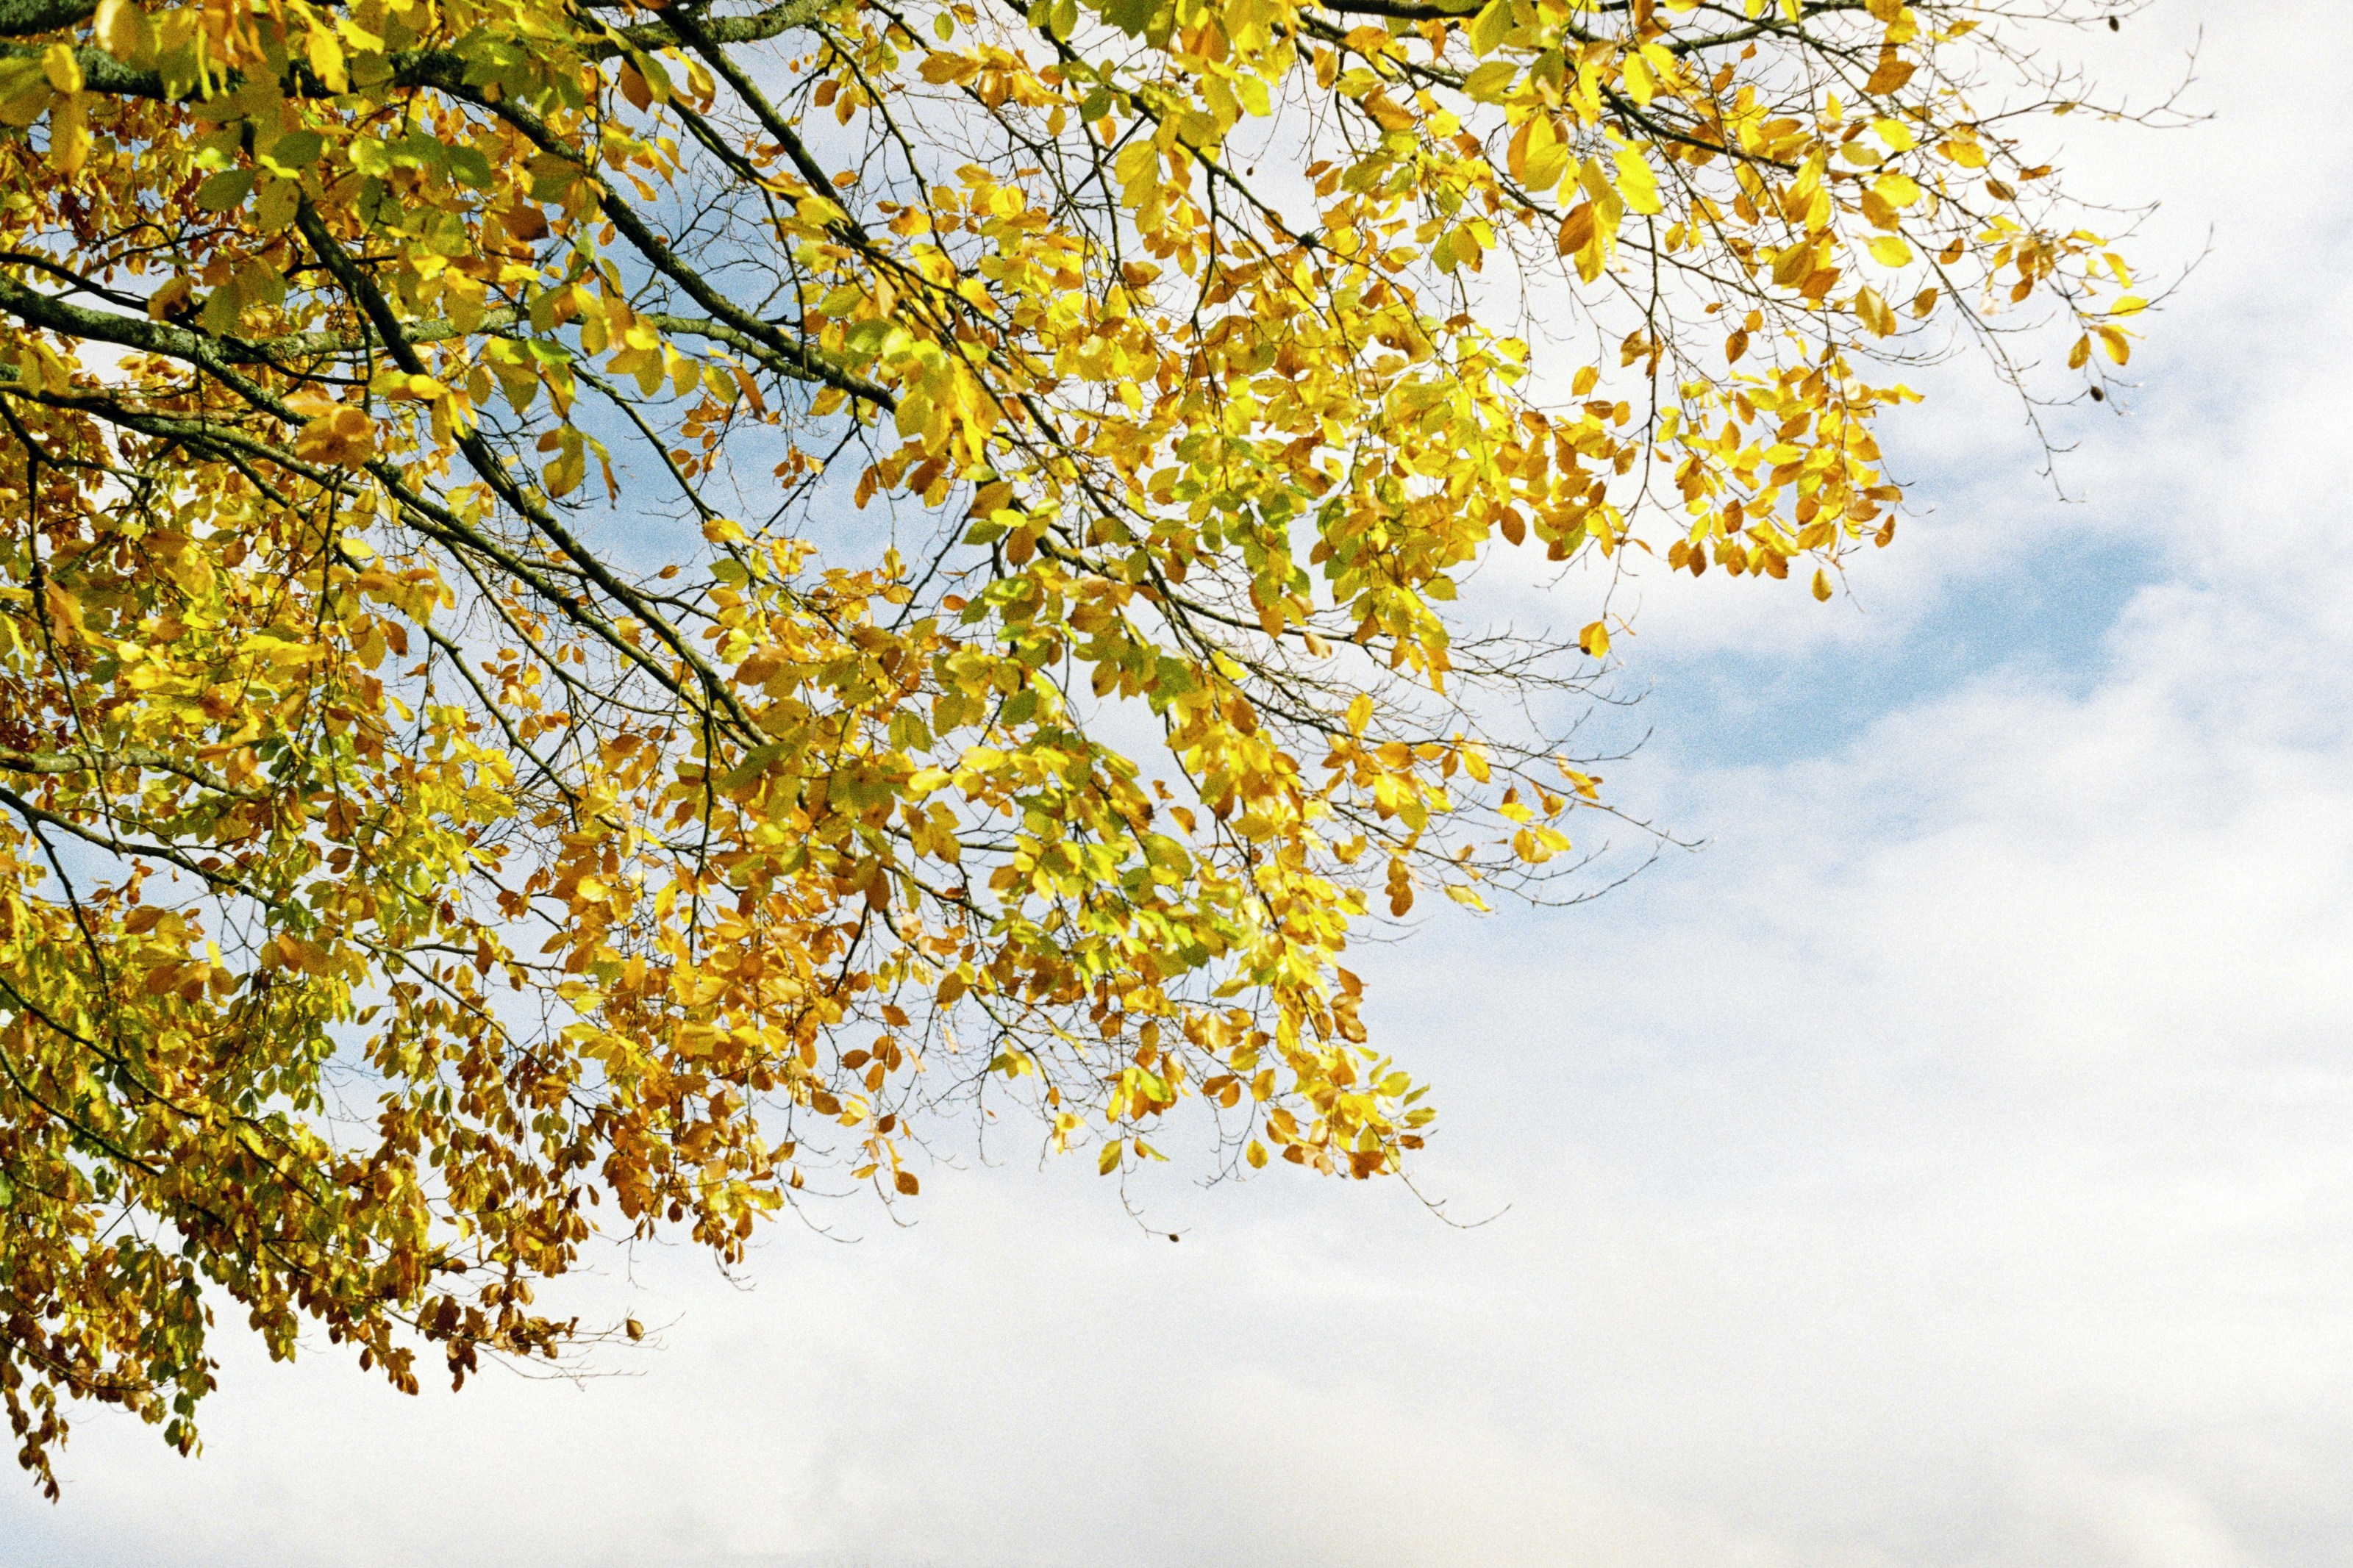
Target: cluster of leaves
{"x": 402, "y": 861}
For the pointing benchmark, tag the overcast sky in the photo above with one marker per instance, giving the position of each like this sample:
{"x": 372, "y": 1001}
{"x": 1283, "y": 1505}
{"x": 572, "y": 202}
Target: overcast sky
{"x": 1950, "y": 1166}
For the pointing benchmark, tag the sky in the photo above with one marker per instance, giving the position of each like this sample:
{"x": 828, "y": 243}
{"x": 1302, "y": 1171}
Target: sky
{"x": 1946, "y": 1164}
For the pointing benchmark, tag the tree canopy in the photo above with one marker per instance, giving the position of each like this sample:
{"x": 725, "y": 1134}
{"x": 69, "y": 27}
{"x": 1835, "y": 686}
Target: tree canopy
{"x": 612, "y": 612}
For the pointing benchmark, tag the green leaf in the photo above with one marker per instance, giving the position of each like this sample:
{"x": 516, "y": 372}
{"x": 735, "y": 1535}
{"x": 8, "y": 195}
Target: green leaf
{"x": 1490, "y": 26}
{"x": 1132, "y": 16}
{"x": 469, "y": 167}
{"x": 1487, "y": 82}
{"x": 296, "y": 150}
{"x": 225, "y": 191}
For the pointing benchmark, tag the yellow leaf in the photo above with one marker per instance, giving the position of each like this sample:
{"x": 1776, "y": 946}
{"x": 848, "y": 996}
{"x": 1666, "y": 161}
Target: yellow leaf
{"x": 1387, "y": 114}
{"x": 1639, "y": 86}
{"x": 69, "y": 141}
{"x": 121, "y": 30}
{"x": 1873, "y": 312}
{"x": 1635, "y": 181}
{"x": 1890, "y": 74}
{"x": 345, "y": 437}
{"x": 1594, "y": 640}
{"x": 1536, "y": 154}
{"x": 64, "y": 71}
{"x": 1576, "y": 229}
{"x": 1489, "y": 28}
{"x": 1488, "y": 82}
{"x": 326, "y": 56}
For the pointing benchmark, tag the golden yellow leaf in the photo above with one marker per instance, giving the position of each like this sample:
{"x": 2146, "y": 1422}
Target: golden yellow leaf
{"x": 1386, "y": 113}
{"x": 1872, "y": 308}
{"x": 346, "y": 437}
{"x": 1890, "y": 74}
{"x": 1576, "y": 229}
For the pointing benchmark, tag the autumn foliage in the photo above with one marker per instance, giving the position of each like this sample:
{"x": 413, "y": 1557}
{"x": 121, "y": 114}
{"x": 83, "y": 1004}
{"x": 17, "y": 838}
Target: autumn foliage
{"x": 607, "y": 613}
